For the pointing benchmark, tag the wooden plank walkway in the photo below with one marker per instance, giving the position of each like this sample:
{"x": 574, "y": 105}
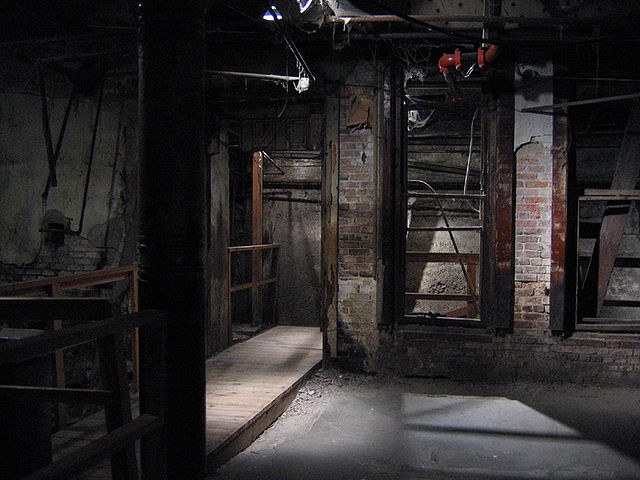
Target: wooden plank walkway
{"x": 248, "y": 386}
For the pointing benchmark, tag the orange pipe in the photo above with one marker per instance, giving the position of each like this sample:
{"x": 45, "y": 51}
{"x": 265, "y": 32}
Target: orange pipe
{"x": 448, "y": 60}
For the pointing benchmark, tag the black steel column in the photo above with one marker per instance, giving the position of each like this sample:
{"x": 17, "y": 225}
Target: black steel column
{"x": 172, "y": 156}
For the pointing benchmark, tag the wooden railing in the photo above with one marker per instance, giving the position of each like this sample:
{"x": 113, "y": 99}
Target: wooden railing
{"x": 122, "y": 429}
{"x": 257, "y": 280}
{"x": 56, "y": 286}
{"x": 470, "y": 260}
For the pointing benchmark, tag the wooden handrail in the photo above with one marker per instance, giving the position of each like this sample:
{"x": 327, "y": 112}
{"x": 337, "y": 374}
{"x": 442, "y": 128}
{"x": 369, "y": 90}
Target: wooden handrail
{"x": 55, "y": 285}
{"x": 98, "y": 449}
{"x": 122, "y": 429}
{"x": 252, "y": 248}
{"x": 257, "y": 280}
{"x": 49, "y": 342}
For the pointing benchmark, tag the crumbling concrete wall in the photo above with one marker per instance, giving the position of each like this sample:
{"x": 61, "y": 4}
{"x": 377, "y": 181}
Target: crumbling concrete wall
{"x": 110, "y": 207}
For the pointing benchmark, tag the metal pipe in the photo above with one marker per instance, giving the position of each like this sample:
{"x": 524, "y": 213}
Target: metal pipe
{"x": 46, "y": 130}
{"x": 259, "y": 76}
{"x": 91, "y": 152}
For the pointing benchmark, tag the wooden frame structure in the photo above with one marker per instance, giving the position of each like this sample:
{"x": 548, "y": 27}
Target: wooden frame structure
{"x": 54, "y": 287}
{"x": 122, "y": 430}
{"x": 257, "y": 280}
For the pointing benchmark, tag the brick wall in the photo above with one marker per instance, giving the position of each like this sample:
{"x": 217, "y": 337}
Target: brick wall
{"x": 76, "y": 255}
{"x": 357, "y": 324}
{"x": 531, "y": 351}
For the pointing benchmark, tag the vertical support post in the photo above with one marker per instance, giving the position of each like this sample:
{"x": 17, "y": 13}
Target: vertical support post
{"x": 153, "y": 396}
{"x": 135, "y": 335}
{"x": 229, "y": 296}
{"x": 118, "y": 411}
{"x": 256, "y": 271}
{"x": 329, "y": 240}
{"x": 563, "y": 291}
{"x": 61, "y": 408}
{"x": 219, "y": 326}
{"x": 498, "y": 254}
{"x": 399, "y": 160}
{"x": 172, "y": 210}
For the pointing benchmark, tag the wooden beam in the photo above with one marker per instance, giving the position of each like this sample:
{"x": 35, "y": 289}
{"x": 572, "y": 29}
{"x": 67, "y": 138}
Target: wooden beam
{"x": 443, "y": 257}
{"x": 329, "y": 234}
{"x": 256, "y": 235}
{"x": 98, "y": 449}
{"x": 563, "y": 220}
{"x": 49, "y": 342}
{"x": 438, "y": 296}
{"x": 54, "y": 394}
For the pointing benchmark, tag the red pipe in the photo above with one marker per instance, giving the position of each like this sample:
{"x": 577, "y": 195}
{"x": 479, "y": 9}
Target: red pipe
{"x": 448, "y": 60}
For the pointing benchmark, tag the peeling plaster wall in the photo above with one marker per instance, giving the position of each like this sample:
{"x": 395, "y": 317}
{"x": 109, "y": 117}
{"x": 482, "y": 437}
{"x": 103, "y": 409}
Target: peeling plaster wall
{"x": 23, "y": 175}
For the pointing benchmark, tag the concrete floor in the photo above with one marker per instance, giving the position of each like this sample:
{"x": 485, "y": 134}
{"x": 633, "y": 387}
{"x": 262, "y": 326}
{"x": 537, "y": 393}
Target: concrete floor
{"x": 344, "y": 426}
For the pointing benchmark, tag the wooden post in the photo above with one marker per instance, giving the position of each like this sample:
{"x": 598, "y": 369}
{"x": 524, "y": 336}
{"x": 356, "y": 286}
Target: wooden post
{"x": 172, "y": 210}
{"x": 329, "y": 240}
{"x": 256, "y": 271}
{"x": 118, "y": 411}
{"x": 562, "y": 297}
{"x": 135, "y": 336}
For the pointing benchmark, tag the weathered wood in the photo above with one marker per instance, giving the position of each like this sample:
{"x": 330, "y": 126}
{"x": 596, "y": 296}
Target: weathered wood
{"x": 563, "y": 220}
{"x": 218, "y": 330}
{"x": 472, "y": 275}
{"x": 54, "y": 394}
{"x": 251, "y": 383}
{"x": 438, "y": 296}
{"x": 153, "y": 398}
{"x": 329, "y": 240}
{"x": 245, "y": 286}
{"x": 49, "y": 342}
{"x": 44, "y": 286}
{"x": 497, "y": 285}
{"x": 626, "y": 327}
{"x": 625, "y": 177}
{"x": 98, "y": 449}
{"x": 251, "y": 248}
{"x": 40, "y": 311}
{"x": 118, "y": 411}
{"x": 256, "y": 235}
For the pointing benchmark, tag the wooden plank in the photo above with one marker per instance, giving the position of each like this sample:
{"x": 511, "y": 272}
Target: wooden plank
{"x": 49, "y": 342}
{"x": 251, "y": 248}
{"x": 117, "y": 412}
{"x": 250, "y": 385}
{"x": 255, "y": 284}
{"x": 54, "y": 394}
{"x": 443, "y": 257}
{"x": 603, "y": 258}
{"x": 98, "y": 449}
{"x": 437, "y": 296}
{"x": 627, "y": 327}
{"x": 43, "y": 310}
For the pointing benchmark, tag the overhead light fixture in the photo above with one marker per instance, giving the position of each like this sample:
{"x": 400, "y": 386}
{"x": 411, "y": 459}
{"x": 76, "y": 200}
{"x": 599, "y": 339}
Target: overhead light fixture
{"x": 268, "y": 15}
{"x": 304, "y": 5}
